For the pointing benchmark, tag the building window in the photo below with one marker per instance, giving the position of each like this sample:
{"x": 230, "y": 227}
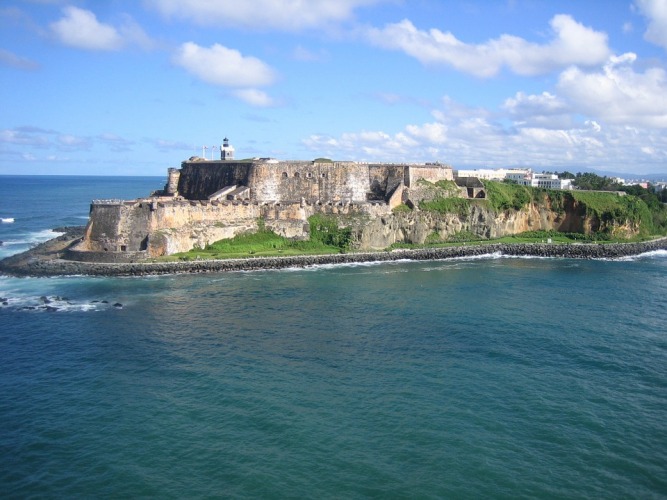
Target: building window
{"x": 285, "y": 175}
{"x": 296, "y": 174}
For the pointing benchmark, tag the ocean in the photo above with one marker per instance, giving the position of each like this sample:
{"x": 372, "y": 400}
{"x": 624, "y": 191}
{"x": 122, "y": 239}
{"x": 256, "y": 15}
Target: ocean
{"x": 485, "y": 377}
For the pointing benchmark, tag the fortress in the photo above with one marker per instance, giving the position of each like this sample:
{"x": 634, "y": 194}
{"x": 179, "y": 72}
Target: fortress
{"x": 208, "y": 200}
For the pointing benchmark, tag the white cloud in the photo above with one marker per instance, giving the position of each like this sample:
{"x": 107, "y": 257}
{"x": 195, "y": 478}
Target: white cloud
{"x": 10, "y": 59}
{"x": 286, "y": 15}
{"x": 618, "y": 94}
{"x": 80, "y": 28}
{"x": 573, "y": 43}
{"x": 69, "y": 142}
{"x": 219, "y": 65}
{"x": 254, "y": 97}
{"x": 544, "y": 110}
{"x": 25, "y": 136}
{"x": 465, "y": 136}
{"x": 656, "y": 13}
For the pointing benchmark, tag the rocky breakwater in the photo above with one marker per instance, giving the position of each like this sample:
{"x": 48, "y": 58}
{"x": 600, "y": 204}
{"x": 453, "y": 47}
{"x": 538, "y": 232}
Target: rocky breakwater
{"x": 50, "y": 265}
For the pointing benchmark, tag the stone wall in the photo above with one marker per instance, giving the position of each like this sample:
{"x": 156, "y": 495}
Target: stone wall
{"x": 167, "y": 225}
{"x": 199, "y": 180}
{"x": 290, "y": 181}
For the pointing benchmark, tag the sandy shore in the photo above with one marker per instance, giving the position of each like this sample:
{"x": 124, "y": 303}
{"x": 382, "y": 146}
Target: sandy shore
{"x": 45, "y": 259}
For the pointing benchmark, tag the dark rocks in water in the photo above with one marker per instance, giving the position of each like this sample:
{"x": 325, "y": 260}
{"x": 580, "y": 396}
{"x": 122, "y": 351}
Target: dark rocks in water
{"x": 118, "y": 305}
{"x": 105, "y": 302}
{"x": 39, "y": 262}
{"x": 45, "y": 300}
{"x": 1, "y": 243}
{"x": 50, "y": 308}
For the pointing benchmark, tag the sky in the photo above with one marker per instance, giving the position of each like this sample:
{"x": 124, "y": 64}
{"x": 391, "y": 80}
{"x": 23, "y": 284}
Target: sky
{"x": 133, "y": 87}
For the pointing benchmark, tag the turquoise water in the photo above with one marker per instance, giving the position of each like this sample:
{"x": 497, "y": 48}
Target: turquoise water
{"x": 469, "y": 378}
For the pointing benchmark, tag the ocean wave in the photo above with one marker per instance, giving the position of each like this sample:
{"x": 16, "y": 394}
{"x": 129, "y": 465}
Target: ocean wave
{"x": 654, "y": 254}
{"x": 22, "y": 242}
{"x": 54, "y": 303}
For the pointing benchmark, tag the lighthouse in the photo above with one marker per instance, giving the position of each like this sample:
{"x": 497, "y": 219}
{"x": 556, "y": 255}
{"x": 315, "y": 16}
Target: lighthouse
{"x": 226, "y": 151}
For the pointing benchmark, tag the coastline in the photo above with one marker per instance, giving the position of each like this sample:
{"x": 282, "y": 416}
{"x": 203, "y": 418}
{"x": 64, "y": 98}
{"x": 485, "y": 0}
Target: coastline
{"x": 44, "y": 259}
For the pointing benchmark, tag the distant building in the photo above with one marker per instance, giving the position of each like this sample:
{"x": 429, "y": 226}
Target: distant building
{"x": 545, "y": 181}
{"x": 488, "y": 174}
{"x": 226, "y": 151}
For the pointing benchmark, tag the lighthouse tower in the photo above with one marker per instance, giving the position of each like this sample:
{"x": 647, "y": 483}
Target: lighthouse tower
{"x": 226, "y": 151}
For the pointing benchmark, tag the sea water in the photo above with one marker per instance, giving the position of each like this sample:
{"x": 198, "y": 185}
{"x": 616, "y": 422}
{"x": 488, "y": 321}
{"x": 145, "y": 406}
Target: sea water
{"x": 465, "y": 378}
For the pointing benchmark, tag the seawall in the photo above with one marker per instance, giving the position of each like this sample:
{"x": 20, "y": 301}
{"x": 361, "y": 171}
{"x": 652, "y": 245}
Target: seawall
{"x": 35, "y": 266}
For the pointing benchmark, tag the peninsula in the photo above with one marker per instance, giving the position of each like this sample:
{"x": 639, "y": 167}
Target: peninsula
{"x": 371, "y": 208}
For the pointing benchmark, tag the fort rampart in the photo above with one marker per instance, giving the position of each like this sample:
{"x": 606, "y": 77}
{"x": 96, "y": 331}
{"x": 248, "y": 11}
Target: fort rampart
{"x": 205, "y": 201}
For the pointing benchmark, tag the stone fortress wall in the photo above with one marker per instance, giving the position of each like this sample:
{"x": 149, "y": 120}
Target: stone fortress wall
{"x": 206, "y": 201}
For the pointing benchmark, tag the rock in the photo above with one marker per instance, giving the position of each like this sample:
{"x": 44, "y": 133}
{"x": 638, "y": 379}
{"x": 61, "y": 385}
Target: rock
{"x": 118, "y": 305}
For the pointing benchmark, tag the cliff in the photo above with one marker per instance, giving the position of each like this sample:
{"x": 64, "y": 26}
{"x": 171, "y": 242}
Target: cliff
{"x": 382, "y": 204}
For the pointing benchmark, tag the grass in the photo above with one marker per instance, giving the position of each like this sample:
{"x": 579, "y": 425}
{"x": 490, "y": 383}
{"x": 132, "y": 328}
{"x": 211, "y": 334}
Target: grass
{"x": 261, "y": 244}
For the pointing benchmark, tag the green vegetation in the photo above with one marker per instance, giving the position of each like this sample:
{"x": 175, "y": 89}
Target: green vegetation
{"x": 639, "y": 207}
{"x": 449, "y": 187}
{"x": 460, "y": 206}
{"x": 589, "y": 181}
{"x": 325, "y": 238}
{"x": 322, "y": 160}
{"x": 608, "y": 208}
{"x": 463, "y": 236}
{"x": 401, "y": 208}
{"x": 324, "y": 230}
{"x": 505, "y": 196}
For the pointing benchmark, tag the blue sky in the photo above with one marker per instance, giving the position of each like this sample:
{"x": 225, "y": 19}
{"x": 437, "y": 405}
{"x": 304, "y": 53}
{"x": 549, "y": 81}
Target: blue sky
{"x": 132, "y": 87}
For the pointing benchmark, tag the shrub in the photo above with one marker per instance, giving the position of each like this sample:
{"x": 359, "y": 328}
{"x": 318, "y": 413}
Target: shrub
{"x": 324, "y": 229}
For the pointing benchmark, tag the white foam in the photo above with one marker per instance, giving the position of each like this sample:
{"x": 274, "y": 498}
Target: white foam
{"x": 653, "y": 254}
{"x": 7, "y": 220}
{"x": 53, "y": 304}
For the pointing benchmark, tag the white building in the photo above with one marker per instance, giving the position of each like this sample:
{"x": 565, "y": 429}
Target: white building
{"x": 498, "y": 174}
{"x": 545, "y": 181}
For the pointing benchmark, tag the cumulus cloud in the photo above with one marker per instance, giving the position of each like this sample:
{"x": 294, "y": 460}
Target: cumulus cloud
{"x": 287, "y": 15}
{"x": 656, "y": 13}
{"x": 545, "y": 110}
{"x": 219, "y": 65}
{"x": 472, "y": 137}
{"x": 80, "y": 28}
{"x": 573, "y": 43}
{"x": 618, "y": 94}
{"x": 10, "y": 59}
